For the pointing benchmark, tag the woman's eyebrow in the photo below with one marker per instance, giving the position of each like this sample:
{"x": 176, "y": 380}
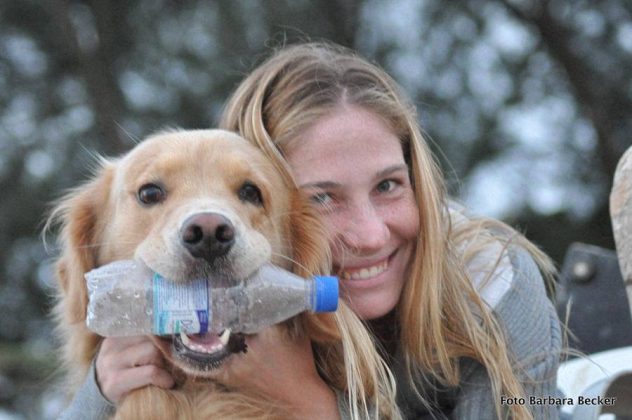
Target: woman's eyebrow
{"x": 392, "y": 169}
{"x": 324, "y": 185}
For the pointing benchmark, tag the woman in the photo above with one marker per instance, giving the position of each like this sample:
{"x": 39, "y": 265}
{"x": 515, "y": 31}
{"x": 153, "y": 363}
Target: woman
{"x": 456, "y": 305}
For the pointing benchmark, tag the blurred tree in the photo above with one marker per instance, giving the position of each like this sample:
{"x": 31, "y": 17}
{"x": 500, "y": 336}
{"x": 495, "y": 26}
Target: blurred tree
{"x": 591, "y": 43}
{"x": 582, "y": 37}
{"x": 527, "y": 105}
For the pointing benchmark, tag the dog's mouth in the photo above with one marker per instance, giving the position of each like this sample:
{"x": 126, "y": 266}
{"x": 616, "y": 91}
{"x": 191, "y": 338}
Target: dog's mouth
{"x": 205, "y": 352}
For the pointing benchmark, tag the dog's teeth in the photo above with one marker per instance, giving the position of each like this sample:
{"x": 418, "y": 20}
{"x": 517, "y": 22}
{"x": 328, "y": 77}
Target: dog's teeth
{"x": 185, "y": 339}
{"x": 225, "y": 337}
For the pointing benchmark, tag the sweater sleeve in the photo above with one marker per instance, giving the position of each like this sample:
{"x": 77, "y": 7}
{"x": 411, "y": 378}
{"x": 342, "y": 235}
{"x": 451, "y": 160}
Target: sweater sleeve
{"x": 88, "y": 403}
{"x": 534, "y": 336}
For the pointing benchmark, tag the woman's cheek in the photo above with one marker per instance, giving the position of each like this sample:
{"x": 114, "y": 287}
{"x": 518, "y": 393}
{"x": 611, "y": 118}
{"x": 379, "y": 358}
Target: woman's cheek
{"x": 403, "y": 217}
{"x": 334, "y": 225}
{"x": 413, "y": 216}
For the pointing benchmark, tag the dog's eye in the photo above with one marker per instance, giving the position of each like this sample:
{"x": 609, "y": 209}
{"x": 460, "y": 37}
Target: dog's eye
{"x": 250, "y": 193}
{"x": 151, "y": 194}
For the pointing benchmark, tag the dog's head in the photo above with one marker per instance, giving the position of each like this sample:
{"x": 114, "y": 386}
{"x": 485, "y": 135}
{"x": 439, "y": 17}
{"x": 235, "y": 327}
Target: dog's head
{"x": 191, "y": 204}
{"x": 188, "y": 204}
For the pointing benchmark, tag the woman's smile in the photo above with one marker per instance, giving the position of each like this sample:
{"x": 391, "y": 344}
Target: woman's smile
{"x": 364, "y": 273}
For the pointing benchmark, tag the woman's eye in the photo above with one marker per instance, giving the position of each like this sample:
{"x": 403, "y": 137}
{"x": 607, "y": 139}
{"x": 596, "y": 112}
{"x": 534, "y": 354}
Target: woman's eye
{"x": 321, "y": 198}
{"x": 385, "y": 186}
{"x": 150, "y": 194}
{"x": 250, "y": 193}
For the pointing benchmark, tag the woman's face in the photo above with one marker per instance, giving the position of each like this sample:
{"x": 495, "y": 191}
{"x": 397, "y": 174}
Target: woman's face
{"x": 352, "y": 166}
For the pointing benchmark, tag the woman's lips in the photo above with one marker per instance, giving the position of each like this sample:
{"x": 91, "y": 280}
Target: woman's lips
{"x": 366, "y": 272}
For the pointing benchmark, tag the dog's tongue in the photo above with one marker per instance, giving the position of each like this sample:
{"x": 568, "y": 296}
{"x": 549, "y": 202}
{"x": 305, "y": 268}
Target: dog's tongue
{"x": 208, "y": 342}
{"x": 206, "y": 339}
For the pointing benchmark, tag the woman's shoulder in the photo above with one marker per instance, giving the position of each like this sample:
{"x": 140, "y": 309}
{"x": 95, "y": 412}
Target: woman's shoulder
{"x": 502, "y": 272}
{"x": 502, "y": 267}
{"x": 515, "y": 292}
{"x": 509, "y": 281}
{"x": 498, "y": 265}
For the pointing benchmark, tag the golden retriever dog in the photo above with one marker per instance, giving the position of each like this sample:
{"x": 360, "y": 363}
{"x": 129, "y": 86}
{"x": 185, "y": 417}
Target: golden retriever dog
{"x": 187, "y": 203}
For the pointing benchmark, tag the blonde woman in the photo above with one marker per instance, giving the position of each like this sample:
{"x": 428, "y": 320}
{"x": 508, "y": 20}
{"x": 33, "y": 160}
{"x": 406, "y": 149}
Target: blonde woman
{"x": 457, "y": 305}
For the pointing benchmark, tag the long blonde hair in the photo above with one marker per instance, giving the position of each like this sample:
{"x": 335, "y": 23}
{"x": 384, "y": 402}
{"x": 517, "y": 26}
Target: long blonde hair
{"x": 444, "y": 316}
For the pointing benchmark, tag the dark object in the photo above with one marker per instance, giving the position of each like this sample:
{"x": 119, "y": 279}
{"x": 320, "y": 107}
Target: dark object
{"x": 237, "y": 343}
{"x": 621, "y": 388}
{"x": 599, "y": 314}
{"x": 208, "y": 235}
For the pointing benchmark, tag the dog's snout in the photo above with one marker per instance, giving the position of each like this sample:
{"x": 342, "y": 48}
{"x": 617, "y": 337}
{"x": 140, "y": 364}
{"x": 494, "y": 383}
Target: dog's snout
{"x": 207, "y": 235}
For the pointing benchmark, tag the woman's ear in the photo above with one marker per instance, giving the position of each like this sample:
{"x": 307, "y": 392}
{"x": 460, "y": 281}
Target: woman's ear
{"x": 81, "y": 215}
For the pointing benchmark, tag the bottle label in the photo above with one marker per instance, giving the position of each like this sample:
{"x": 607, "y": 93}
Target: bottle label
{"x": 180, "y": 307}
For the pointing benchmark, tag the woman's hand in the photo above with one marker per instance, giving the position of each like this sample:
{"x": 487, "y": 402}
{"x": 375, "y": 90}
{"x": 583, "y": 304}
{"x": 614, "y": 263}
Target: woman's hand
{"x": 284, "y": 370}
{"x": 127, "y": 363}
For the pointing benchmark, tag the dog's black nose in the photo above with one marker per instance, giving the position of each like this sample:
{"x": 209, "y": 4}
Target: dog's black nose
{"x": 207, "y": 235}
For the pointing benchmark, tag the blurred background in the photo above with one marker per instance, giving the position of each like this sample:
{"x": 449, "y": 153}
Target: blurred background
{"x": 527, "y": 103}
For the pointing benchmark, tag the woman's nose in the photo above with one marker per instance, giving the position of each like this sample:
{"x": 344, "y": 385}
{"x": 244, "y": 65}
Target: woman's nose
{"x": 365, "y": 230}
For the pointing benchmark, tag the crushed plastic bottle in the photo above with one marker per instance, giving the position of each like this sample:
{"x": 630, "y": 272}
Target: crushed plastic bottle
{"x": 126, "y": 298}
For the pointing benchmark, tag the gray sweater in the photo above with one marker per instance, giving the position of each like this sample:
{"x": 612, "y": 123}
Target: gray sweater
{"x": 517, "y": 296}
{"x": 534, "y": 335}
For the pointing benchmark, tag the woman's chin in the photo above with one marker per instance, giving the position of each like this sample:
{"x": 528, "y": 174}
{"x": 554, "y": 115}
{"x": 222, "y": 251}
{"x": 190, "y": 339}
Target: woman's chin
{"x": 372, "y": 307}
{"x": 372, "y": 298}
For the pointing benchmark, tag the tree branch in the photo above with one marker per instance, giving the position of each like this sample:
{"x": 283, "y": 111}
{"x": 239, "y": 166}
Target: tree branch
{"x": 599, "y": 101}
{"x": 96, "y": 67}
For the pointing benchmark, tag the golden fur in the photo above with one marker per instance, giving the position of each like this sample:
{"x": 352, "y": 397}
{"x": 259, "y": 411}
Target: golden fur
{"x": 103, "y": 221}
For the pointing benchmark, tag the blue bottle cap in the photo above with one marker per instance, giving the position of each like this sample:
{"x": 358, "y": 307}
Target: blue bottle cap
{"x": 325, "y": 293}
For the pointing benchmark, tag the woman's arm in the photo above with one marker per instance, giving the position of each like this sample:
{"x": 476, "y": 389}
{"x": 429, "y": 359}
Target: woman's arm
{"x": 88, "y": 403}
{"x": 122, "y": 365}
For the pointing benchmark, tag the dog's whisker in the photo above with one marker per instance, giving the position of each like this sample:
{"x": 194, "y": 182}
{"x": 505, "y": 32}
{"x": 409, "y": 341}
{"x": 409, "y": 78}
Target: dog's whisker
{"x": 101, "y": 244}
{"x": 292, "y": 260}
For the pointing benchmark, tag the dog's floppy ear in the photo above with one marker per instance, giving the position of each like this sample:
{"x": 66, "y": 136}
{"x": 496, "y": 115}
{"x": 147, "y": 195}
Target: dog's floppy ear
{"x": 81, "y": 215}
